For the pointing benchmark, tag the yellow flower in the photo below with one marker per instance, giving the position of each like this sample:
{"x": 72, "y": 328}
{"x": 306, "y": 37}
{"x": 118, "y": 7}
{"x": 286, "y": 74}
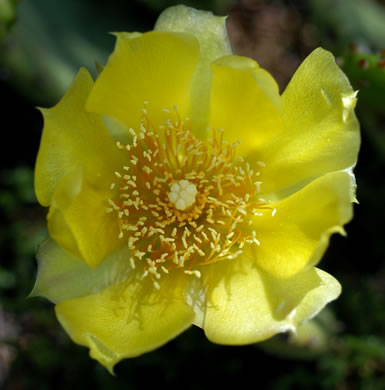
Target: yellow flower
{"x": 183, "y": 189}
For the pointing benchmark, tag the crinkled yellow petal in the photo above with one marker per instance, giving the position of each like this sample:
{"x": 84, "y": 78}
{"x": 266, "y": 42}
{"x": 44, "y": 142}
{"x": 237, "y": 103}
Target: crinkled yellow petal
{"x": 156, "y": 67}
{"x": 322, "y": 132}
{"x": 128, "y": 319}
{"x": 298, "y": 234}
{"x": 244, "y": 101}
{"x": 73, "y": 139}
{"x": 61, "y": 276}
{"x": 210, "y": 30}
{"x": 78, "y": 220}
{"x": 246, "y": 305}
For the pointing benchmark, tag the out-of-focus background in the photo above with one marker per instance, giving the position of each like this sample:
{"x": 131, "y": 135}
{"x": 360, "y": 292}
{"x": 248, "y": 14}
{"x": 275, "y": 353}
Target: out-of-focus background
{"x": 42, "y": 45}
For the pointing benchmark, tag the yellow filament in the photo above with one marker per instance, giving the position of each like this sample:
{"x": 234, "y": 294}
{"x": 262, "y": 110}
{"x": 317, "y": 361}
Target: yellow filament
{"x": 184, "y": 202}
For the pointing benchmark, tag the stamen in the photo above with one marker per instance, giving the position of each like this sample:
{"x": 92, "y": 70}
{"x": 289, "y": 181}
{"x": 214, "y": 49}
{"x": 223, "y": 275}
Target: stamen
{"x": 196, "y": 204}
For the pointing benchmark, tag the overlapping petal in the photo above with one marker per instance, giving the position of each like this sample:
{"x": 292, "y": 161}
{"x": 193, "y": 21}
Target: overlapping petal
{"x": 127, "y": 319}
{"x": 322, "y": 131}
{"x": 246, "y": 305}
{"x": 78, "y": 219}
{"x": 245, "y": 102}
{"x": 214, "y": 43}
{"x": 155, "y": 67}
{"x": 62, "y": 276}
{"x": 298, "y": 234}
{"x": 73, "y": 139}
{"x": 210, "y": 30}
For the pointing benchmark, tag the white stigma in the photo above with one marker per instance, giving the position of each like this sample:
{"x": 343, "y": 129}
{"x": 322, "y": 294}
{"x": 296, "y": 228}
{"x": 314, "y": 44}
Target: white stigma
{"x": 182, "y": 194}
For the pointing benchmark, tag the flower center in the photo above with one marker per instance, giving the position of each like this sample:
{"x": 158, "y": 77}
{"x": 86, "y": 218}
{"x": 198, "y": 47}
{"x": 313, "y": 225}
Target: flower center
{"x": 183, "y": 202}
{"x": 182, "y": 194}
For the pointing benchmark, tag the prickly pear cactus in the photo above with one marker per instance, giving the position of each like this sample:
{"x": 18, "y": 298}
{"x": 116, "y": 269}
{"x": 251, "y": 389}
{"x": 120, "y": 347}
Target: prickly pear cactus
{"x": 366, "y": 72}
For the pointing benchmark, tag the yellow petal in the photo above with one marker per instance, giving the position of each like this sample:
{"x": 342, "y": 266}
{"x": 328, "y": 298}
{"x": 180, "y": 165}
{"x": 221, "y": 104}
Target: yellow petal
{"x": 245, "y": 102}
{"x": 156, "y": 67}
{"x": 246, "y": 305}
{"x": 78, "y": 220}
{"x": 72, "y": 139}
{"x": 210, "y": 30}
{"x": 322, "y": 132}
{"x": 129, "y": 319}
{"x": 62, "y": 276}
{"x": 298, "y": 234}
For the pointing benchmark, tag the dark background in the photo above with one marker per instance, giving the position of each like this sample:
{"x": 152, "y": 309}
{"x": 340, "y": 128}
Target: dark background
{"x": 42, "y": 45}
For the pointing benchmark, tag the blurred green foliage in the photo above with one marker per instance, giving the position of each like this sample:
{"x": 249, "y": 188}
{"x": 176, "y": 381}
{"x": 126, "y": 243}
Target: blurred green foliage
{"x": 342, "y": 349}
{"x": 46, "y": 48}
{"x": 345, "y": 21}
{"x": 7, "y": 15}
{"x": 160, "y": 5}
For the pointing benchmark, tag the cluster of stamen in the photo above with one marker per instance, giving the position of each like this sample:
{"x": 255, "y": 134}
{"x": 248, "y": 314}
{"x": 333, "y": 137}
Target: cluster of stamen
{"x": 184, "y": 202}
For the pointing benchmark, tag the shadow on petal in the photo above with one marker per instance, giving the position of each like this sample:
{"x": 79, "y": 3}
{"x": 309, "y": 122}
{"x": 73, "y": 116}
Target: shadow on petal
{"x": 128, "y": 319}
